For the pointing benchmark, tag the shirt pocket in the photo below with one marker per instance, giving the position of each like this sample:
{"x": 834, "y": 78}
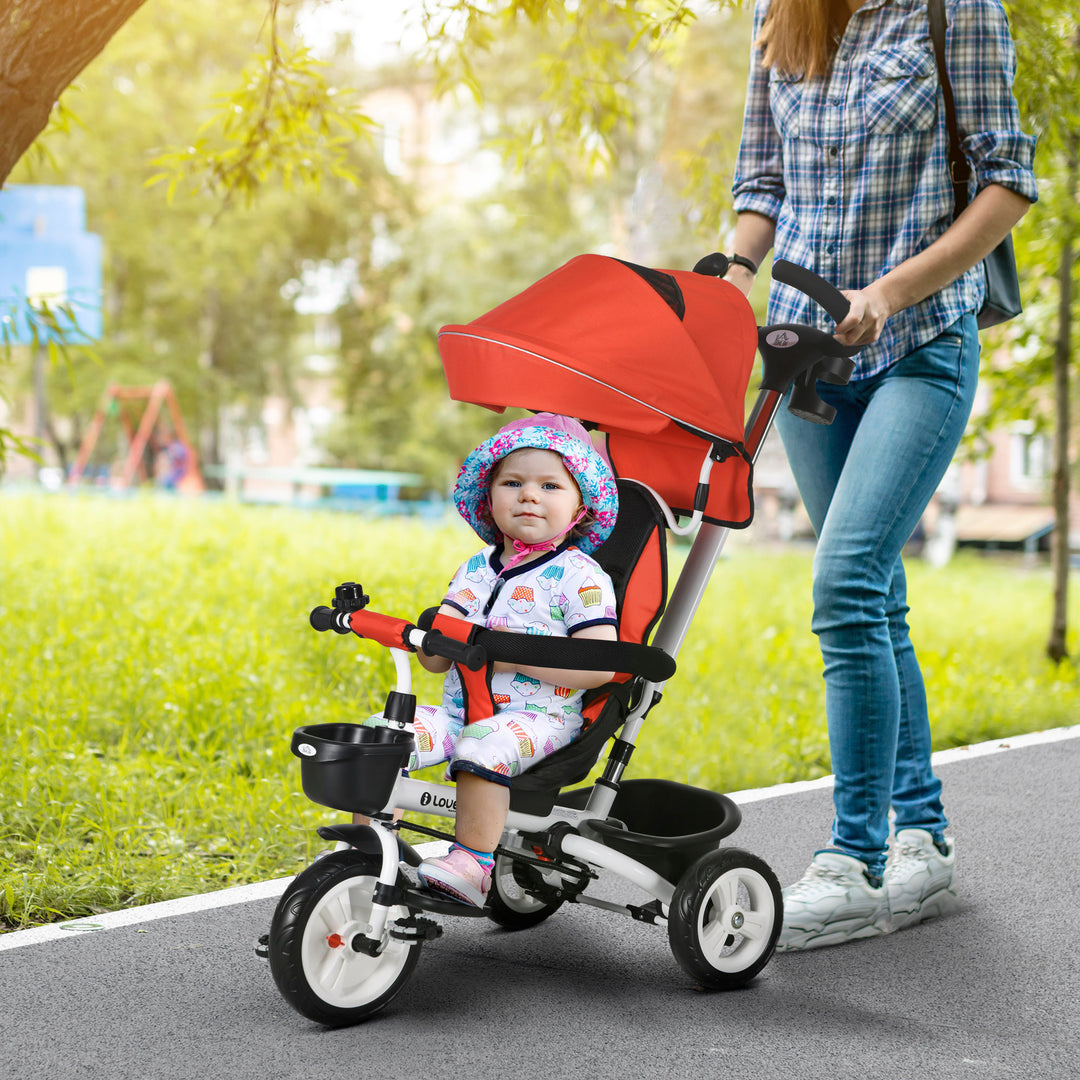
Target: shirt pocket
{"x": 785, "y": 101}
{"x": 900, "y": 91}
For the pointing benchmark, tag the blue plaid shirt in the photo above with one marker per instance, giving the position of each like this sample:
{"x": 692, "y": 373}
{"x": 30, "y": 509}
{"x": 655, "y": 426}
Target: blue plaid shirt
{"x": 853, "y": 166}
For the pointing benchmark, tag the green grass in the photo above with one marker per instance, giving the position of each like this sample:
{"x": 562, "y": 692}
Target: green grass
{"x": 156, "y": 658}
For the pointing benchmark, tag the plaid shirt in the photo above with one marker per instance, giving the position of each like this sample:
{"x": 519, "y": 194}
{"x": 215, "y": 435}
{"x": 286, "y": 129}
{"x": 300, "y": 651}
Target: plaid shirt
{"x": 853, "y": 166}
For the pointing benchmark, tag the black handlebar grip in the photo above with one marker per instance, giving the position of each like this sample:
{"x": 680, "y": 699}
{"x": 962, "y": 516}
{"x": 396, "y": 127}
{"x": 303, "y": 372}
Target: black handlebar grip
{"x": 816, "y": 287}
{"x": 324, "y": 618}
{"x": 459, "y": 652}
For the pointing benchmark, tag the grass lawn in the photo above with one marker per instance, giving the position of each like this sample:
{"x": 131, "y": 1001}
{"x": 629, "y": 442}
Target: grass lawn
{"x": 156, "y": 657}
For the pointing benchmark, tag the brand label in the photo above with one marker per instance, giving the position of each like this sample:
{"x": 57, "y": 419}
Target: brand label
{"x": 443, "y": 802}
{"x": 782, "y": 339}
{"x": 306, "y": 749}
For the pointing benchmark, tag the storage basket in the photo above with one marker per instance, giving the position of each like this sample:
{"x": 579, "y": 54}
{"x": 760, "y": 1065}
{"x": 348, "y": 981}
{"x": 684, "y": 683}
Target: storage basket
{"x": 668, "y": 826}
{"x": 350, "y": 767}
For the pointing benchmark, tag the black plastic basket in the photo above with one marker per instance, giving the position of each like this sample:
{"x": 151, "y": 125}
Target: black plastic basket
{"x": 665, "y": 825}
{"x": 350, "y": 767}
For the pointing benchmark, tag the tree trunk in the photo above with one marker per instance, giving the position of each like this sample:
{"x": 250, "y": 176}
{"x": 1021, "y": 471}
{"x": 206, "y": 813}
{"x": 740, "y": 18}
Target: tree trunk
{"x": 1057, "y": 645}
{"x": 44, "y": 44}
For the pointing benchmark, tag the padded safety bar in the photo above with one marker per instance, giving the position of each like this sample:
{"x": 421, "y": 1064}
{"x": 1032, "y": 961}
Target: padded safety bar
{"x": 585, "y": 654}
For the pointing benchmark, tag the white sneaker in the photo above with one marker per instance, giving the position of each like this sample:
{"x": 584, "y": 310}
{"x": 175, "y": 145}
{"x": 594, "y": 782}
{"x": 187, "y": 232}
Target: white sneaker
{"x": 831, "y": 903}
{"x": 918, "y": 878}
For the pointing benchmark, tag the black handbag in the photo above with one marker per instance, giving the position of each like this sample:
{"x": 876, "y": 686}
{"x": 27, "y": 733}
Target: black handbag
{"x": 1002, "y": 300}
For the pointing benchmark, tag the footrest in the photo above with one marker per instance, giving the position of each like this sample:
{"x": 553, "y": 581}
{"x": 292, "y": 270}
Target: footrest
{"x": 415, "y": 928}
{"x": 422, "y": 899}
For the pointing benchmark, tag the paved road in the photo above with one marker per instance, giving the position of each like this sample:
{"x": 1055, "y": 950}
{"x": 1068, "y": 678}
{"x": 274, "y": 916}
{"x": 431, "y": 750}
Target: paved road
{"x": 991, "y": 991}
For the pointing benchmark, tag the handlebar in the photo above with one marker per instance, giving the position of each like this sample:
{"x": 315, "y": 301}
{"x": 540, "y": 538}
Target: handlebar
{"x": 483, "y": 645}
{"x": 796, "y": 356}
{"x": 397, "y": 634}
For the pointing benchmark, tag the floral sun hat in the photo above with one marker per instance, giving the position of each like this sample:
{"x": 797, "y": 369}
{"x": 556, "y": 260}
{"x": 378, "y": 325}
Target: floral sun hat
{"x": 545, "y": 431}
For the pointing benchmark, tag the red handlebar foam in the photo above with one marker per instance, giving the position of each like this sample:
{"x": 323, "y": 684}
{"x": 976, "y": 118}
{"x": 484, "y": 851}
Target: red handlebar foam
{"x": 385, "y": 629}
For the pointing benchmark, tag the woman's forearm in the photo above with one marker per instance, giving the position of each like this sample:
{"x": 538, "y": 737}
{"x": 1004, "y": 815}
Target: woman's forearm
{"x": 970, "y": 238}
{"x": 754, "y": 235}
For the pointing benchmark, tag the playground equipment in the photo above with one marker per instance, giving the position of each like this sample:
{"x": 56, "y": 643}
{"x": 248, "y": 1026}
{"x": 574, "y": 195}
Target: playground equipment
{"x": 159, "y": 430}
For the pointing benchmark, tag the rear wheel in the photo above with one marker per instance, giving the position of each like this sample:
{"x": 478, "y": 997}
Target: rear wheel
{"x": 725, "y": 918}
{"x": 516, "y": 901}
{"x": 324, "y": 913}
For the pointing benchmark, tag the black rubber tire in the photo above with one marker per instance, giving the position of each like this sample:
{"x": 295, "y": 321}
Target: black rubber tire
{"x": 513, "y": 902}
{"x": 725, "y": 918}
{"x": 332, "y": 984}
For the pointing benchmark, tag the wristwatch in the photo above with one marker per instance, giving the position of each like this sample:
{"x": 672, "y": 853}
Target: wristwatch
{"x": 742, "y": 260}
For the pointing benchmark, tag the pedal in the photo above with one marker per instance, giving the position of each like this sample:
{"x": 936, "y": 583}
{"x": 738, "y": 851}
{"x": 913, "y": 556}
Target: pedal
{"x": 415, "y": 928}
{"x": 262, "y": 948}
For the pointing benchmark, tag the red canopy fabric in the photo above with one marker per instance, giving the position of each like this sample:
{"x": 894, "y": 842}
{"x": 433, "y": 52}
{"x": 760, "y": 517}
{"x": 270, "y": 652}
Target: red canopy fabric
{"x": 659, "y": 360}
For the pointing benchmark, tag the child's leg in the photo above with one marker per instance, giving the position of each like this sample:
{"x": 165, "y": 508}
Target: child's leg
{"x": 465, "y": 872}
{"x": 482, "y": 806}
{"x": 500, "y": 747}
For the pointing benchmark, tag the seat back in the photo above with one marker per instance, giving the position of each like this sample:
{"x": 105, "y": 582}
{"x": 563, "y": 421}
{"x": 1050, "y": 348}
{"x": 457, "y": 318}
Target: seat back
{"x": 635, "y": 558}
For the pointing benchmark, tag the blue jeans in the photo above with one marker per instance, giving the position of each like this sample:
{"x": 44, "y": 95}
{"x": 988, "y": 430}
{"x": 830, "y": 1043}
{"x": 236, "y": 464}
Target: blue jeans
{"x": 865, "y": 481}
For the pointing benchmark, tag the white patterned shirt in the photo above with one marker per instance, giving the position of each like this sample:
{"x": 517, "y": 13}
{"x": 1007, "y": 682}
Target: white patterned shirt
{"x": 558, "y": 594}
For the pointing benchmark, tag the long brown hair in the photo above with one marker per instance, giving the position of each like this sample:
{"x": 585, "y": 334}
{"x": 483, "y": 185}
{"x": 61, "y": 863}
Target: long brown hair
{"x": 800, "y": 36}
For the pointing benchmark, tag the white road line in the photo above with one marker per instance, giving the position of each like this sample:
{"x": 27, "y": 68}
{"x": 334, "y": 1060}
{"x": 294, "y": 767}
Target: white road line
{"x": 942, "y": 757}
{"x": 184, "y": 905}
{"x": 262, "y": 890}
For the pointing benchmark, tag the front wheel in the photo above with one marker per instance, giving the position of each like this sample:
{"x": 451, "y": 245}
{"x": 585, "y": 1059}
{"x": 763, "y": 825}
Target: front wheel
{"x": 325, "y": 909}
{"x": 725, "y": 918}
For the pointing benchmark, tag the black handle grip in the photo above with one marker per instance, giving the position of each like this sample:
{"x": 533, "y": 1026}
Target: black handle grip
{"x": 324, "y": 618}
{"x": 474, "y": 657}
{"x": 815, "y": 286}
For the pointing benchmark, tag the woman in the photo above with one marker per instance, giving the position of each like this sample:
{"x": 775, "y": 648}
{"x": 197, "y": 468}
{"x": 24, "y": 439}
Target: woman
{"x": 842, "y": 168}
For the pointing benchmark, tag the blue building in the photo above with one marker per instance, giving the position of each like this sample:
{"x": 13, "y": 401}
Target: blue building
{"x": 48, "y": 257}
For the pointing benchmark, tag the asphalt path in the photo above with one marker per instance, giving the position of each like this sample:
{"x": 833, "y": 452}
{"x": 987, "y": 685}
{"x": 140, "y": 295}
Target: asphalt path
{"x": 174, "y": 991}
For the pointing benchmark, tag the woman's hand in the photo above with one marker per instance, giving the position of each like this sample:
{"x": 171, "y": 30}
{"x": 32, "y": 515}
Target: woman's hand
{"x": 865, "y": 318}
{"x": 969, "y": 239}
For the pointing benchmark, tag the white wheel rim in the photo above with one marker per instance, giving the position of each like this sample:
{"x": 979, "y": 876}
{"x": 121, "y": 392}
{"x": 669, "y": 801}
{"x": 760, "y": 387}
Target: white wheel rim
{"x": 510, "y": 892}
{"x": 735, "y": 919}
{"x": 340, "y": 976}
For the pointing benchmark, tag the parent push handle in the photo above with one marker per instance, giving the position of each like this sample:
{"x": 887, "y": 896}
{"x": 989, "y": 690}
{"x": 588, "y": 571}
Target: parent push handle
{"x": 815, "y": 286}
{"x": 796, "y": 356}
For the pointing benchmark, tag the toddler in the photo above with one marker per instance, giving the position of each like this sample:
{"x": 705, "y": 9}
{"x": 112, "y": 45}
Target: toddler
{"x": 543, "y": 499}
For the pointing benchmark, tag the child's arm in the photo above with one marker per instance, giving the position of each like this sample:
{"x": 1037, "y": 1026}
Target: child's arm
{"x": 438, "y": 665}
{"x": 568, "y": 677}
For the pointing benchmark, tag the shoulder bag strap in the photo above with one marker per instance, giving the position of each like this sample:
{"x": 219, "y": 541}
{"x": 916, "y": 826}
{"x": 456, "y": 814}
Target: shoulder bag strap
{"x": 959, "y": 167}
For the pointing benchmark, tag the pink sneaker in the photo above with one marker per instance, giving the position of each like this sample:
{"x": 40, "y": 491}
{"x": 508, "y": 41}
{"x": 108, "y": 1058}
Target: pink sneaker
{"x": 457, "y": 875}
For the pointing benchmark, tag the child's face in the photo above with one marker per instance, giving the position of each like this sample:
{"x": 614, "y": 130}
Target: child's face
{"x": 533, "y": 497}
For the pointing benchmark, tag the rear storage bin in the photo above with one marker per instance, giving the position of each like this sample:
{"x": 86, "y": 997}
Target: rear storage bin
{"x": 668, "y": 826}
{"x": 350, "y": 767}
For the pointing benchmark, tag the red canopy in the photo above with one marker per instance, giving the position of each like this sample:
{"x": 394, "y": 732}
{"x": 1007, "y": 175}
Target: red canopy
{"x": 657, "y": 359}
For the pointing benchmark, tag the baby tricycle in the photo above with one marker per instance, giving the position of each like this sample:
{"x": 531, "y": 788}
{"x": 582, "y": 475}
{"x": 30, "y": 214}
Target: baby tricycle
{"x": 658, "y": 362}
